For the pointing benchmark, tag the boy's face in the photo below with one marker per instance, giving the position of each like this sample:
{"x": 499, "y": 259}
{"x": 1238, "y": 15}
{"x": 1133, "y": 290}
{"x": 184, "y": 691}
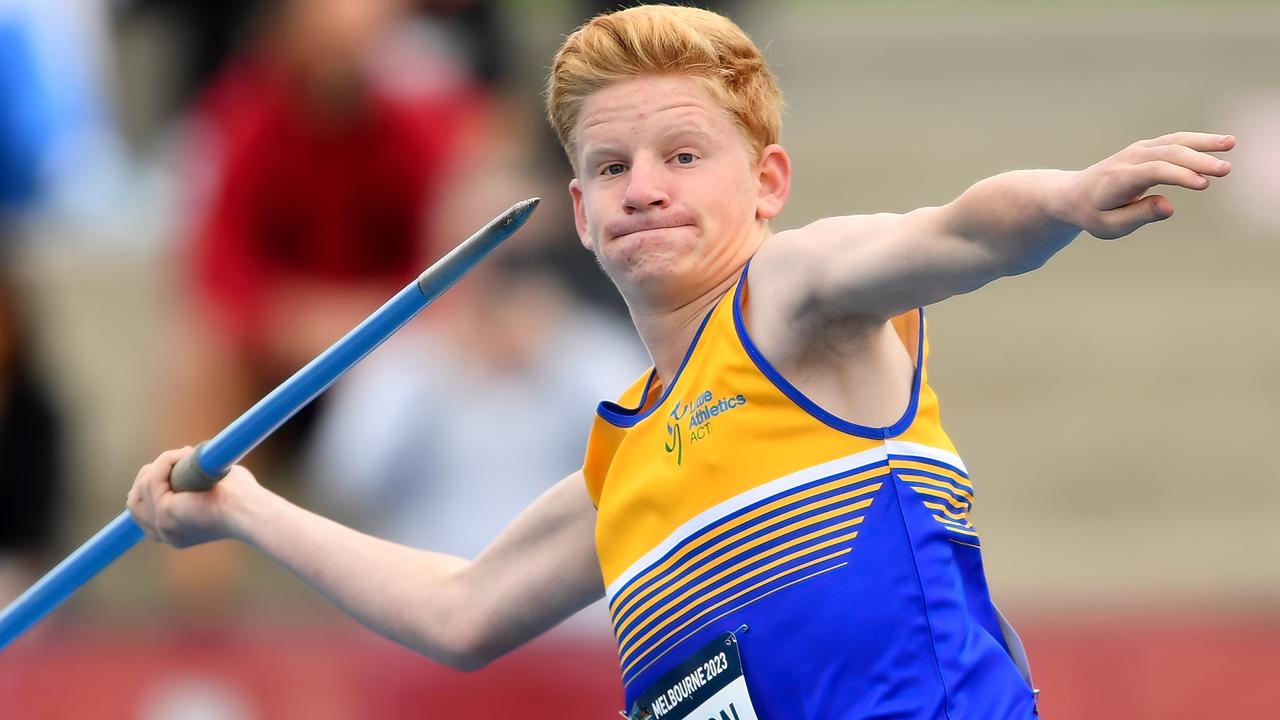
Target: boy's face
{"x": 668, "y": 195}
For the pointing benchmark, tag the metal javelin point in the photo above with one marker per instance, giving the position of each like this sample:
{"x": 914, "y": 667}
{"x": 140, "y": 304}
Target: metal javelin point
{"x": 213, "y": 459}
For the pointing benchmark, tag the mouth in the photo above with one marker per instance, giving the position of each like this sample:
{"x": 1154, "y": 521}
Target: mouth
{"x": 640, "y": 231}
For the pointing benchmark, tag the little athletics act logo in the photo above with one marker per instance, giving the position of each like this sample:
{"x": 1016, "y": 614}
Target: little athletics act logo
{"x": 695, "y": 417}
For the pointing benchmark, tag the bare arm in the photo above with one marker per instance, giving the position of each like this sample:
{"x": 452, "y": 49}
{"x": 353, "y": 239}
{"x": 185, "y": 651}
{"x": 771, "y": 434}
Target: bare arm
{"x": 877, "y": 266}
{"x": 463, "y": 613}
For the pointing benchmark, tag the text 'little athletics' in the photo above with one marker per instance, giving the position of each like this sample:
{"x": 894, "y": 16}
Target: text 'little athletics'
{"x": 699, "y": 414}
{"x": 705, "y": 408}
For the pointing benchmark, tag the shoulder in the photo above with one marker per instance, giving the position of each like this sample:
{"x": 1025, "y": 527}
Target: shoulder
{"x": 792, "y": 275}
{"x": 793, "y": 260}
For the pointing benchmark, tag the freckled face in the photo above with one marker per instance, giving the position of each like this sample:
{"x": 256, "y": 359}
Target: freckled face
{"x": 666, "y": 194}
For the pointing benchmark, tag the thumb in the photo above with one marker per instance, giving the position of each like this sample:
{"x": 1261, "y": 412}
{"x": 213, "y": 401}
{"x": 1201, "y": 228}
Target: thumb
{"x": 1128, "y": 218}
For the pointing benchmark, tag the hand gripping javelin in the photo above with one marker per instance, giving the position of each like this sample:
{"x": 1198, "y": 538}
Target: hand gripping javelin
{"x": 213, "y": 459}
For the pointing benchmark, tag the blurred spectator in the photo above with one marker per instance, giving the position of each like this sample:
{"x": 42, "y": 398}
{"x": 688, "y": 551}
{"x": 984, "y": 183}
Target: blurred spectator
{"x": 317, "y": 166}
{"x": 443, "y": 436}
{"x": 30, "y": 453}
{"x": 317, "y": 159}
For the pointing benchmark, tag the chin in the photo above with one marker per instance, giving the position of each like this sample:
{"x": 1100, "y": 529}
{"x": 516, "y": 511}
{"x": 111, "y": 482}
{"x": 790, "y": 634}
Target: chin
{"x": 646, "y": 267}
{"x": 655, "y": 275}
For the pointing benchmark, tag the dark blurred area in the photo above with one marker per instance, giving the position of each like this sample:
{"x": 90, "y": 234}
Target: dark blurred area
{"x": 31, "y": 451}
{"x": 198, "y": 197}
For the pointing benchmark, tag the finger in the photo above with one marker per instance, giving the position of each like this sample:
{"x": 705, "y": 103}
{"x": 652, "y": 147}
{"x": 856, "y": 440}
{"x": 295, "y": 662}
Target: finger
{"x": 155, "y": 475}
{"x": 154, "y": 500}
{"x": 143, "y": 518}
{"x": 1126, "y": 219}
{"x": 142, "y": 508}
{"x": 154, "y": 484}
{"x": 147, "y": 485}
{"x": 1199, "y": 162}
{"x": 1133, "y": 182}
{"x": 1161, "y": 172}
{"x": 1205, "y": 142}
{"x": 132, "y": 497}
{"x": 139, "y": 501}
{"x": 171, "y": 457}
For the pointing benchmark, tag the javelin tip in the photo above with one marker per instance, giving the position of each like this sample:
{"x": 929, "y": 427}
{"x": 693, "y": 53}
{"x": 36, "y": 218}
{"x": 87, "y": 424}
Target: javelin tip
{"x": 522, "y": 210}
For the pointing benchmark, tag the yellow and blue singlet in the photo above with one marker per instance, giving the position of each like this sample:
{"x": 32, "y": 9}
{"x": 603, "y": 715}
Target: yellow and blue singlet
{"x": 730, "y": 499}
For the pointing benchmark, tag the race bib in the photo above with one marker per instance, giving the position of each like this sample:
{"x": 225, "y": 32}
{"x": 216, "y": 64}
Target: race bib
{"x": 707, "y": 686}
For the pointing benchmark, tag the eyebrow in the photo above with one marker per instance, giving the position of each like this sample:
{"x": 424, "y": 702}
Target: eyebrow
{"x": 593, "y": 154}
{"x": 687, "y": 131}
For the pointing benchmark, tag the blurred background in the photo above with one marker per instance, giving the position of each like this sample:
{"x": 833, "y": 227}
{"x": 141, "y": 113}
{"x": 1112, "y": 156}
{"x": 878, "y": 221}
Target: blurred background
{"x": 196, "y": 198}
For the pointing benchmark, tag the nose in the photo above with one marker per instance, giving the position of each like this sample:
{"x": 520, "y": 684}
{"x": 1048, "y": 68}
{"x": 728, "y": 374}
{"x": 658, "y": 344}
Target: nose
{"x": 646, "y": 186}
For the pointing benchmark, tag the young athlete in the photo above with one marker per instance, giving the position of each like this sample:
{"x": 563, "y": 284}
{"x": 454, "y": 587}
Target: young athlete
{"x": 774, "y": 512}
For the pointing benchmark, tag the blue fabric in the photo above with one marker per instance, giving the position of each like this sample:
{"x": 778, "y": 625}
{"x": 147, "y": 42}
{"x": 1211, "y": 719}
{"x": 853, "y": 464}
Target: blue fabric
{"x": 905, "y": 629}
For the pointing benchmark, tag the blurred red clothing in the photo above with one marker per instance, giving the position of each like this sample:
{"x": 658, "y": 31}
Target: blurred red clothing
{"x": 293, "y": 192}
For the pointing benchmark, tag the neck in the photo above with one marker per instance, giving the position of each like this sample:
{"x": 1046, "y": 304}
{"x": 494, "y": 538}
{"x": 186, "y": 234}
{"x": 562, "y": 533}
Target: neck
{"x": 667, "y": 332}
{"x": 667, "y": 318}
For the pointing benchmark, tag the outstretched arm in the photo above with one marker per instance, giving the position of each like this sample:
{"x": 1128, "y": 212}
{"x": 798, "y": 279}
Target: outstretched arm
{"x": 877, "y": 266}
{"x": 463, "y": 613}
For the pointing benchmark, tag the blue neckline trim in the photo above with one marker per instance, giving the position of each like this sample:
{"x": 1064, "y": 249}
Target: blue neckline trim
{"x": 615, "y": 414}
{"x": 809, "y": 406}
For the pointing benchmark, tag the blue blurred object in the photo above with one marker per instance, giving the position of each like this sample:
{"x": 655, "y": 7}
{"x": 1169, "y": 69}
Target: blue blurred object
{"x": 57, "y": 135}
{"x": 24, "y": 117}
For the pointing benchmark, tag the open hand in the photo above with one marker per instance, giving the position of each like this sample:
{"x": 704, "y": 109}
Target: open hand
{"x": 182, "y": 519}
{"x": 1110, "y": 196}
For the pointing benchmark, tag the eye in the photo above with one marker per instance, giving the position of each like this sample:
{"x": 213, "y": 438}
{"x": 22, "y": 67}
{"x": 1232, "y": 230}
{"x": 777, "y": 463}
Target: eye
{"x": 685, "y": 158}
{"x": 613, "y": 169}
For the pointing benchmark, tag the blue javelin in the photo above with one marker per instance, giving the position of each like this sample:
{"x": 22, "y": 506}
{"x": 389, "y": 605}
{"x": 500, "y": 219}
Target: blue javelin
{"x": 213, "y": 459}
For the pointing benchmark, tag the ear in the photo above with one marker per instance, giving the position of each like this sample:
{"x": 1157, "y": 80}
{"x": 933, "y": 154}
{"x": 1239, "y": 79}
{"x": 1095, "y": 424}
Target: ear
{"x": 580, "y": 214}
{"x": 774, "y": 173}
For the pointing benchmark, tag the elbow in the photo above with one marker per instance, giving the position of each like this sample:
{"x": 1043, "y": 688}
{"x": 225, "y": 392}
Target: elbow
{"x": 458, "y": 654}
{"x": 471, "y": 656}
{"x": 455, "y": 650}
{"x": 483, "y": 645}
{"x": 468, "y": 644}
